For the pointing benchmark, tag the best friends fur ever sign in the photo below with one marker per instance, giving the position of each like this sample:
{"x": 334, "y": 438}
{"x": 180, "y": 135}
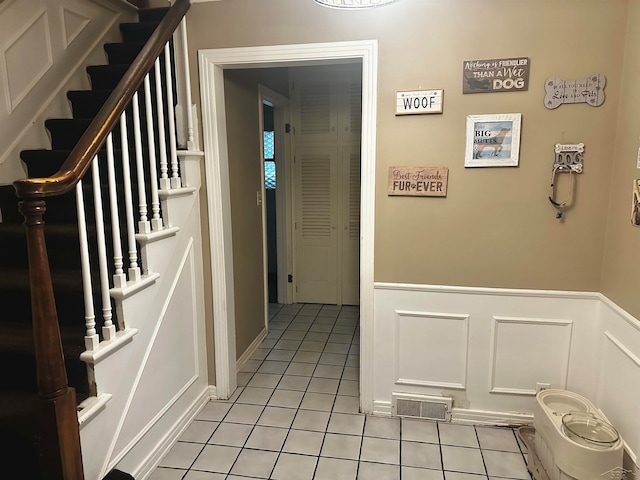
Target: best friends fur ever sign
{"x": 418, "y": 181}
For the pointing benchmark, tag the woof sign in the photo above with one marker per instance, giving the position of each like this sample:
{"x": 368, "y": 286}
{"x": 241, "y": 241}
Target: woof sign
{"x": 418, "y": 181}
{"x": 416, "y": 102}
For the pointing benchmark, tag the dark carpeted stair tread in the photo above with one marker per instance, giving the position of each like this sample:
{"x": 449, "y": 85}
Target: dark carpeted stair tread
{"x": 123, "y": 53}
{"x": 137, "y": 31}
{"x": 87, "y": 103}
{"x": 18, "y": 278}
{"x": 153, "y": 14}
{"x": 106, "y": 77}
{"x": 17, "y": 337}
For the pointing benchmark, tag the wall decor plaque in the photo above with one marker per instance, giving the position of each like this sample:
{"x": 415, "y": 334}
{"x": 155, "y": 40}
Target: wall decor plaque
{"x": 585, "y": 90}
{"x": 414, "y": 102}
{"x": 418, "y": 181}
{"x": 493, "y": 140}
{"x": 497, "y": 75}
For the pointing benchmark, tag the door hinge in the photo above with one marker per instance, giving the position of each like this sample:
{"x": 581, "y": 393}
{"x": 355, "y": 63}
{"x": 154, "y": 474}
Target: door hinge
{"x": 290, "y": 278}
{"x": 287, "y": 128}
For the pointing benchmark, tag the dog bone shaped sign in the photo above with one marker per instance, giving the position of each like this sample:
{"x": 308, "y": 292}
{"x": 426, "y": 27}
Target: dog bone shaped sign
{"x": 585, "y": 90}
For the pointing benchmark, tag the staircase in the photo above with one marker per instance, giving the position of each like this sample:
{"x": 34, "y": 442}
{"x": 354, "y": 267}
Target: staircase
{"x": 19, "y": 389}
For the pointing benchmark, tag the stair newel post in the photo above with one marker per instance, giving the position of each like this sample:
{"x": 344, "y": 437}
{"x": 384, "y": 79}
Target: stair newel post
{"x": 156, "y": 220}
{"x": 191, "y": 144}
{"x": 171, "y": 114}
{"x": 58, "y": 430}
{"x": 144, "y": 226}
{"x": 134, "y": 270}
{"x": 165, "y": 183}
{"x": 108, "y": 329}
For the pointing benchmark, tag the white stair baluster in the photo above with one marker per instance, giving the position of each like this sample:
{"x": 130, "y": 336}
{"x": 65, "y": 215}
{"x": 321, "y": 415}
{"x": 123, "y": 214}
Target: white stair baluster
{"x": 171, "y": 114}
{"x": 91, "y": 339}
{"x": 156, "y": 220}
{"x": 144, "y": 226}
{"x": 108, "y": 329}
{"x": 187, "y": 85}
{"x": 119, "y": 278}
{"x": 134, "y": 269}
{"x": 162, "y": 142}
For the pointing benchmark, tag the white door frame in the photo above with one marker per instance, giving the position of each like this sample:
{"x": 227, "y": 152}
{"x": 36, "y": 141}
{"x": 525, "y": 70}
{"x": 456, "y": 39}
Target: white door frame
{"x": 281, "y": 116}
{"x": 212, "y": 64}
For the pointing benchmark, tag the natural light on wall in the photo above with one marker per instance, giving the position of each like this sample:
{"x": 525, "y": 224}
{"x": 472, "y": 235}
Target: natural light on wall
{"x": 352, "y": 3}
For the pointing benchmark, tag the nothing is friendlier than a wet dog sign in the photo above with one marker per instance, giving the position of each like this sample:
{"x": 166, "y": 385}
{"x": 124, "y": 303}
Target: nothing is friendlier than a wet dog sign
{"x": 495, "y": 75}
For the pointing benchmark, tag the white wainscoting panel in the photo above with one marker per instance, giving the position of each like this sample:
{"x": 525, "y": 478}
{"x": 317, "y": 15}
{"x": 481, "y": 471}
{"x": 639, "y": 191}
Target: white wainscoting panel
{"x": 486, "y": 348}
{"x": 73, "y": 23}
{"x": 33, "y": 41}
{"x": 525, "y": 351}
{"x": 431, "y": 349}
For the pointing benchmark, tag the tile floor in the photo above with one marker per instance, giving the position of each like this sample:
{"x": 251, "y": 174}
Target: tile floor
{"x": 295, "y": 416}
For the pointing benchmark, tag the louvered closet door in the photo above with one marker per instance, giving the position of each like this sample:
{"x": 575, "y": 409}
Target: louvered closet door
{"x": 350, "y": 238}
{"x": 316, "y": 230}
{"x": 318, "y": 112}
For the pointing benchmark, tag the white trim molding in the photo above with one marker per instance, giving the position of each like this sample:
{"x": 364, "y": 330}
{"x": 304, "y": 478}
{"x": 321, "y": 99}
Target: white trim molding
{"x": 212, "y": 64}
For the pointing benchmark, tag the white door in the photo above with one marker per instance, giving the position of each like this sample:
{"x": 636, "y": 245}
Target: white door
{"x": 327, "y": 130}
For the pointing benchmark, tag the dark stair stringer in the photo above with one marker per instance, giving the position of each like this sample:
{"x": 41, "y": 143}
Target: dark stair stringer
{"x": 18, "y": 392}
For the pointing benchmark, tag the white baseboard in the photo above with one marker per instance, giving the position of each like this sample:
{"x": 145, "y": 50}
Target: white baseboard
{"x": 146, "y": 468}
{"x": 213, "y": 392}
{"x": 484, "y": 417}
{"x": 251, "y": 349}
{"x": 381, "y": 408}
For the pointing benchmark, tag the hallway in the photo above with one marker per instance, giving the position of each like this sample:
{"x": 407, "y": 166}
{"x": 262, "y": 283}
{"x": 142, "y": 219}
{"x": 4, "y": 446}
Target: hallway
{"x": 295, "y": 416}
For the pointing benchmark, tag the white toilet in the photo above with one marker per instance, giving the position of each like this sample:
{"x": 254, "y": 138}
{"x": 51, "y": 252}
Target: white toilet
{"x": 573, "y": 439}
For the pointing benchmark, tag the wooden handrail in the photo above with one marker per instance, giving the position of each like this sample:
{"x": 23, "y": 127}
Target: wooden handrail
{"x": 79, "y": 160}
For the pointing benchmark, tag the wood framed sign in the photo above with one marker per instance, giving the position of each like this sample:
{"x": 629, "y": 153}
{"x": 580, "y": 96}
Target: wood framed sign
{"x": 418, "y": 181}
{"x": 497, "y": 75}
{"x": 416, "y": 102}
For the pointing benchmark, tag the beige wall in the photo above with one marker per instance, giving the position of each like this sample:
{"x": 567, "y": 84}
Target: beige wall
{"x": 496, "y": 227}
{"x": 621, "y": 261}
{"x": 243, "y": 137}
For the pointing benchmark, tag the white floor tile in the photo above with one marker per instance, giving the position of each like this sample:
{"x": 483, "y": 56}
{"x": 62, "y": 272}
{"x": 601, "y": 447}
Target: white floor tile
{"x": 502, "y": 439}
{"x": 317, "y": 401}
{"x": 277, "y": 417}
{"x": 339, "y": 348}
{"x": 505, "y": 464}
{"x": 181, "y": 455}
{"x": 216, "y": 458}
{"x": 332, "y": 359}
{"x": 349, "y": 388}
{"x": 346, "y": 424}
{"x": 247, "y": 414}
{"x": 463, "y": 476}
{"x": 422, "y": 455}
{"x": 311, "y": 420}
{"x": 323, "y": 385}
{"x": 294, "y": 382}
{"x": 412, "y": 473}
{"x": 266, "y": 438}
{"x": 231, "y": 434}
{"x": 264, "y": 380}
{"x": 381, "y": 450}
{"x": 341, "y": 446}
{"x": 214, "y": 411}
{"x": 458, "y": 435}
{"x": 304, "y": 442}
{"x": 309, "y": 346}
{"x": 328, "y": 371}
{"x": 344, "y": 404}
{"x": 419, "y": 431}
{"x": 378, "y": 471}
{"x": 286, "y": 398}
{"x": 255, "y": 396}
{"x": 199, "y": 431}
{"x": 382, "y": 427}
{"x": 162, "y": 473}
{"x": 195, "y": 475}
{"x": 305, "y": 369}
{"x": 294, "y": 467}
{"x": 333, "y": 469}
{"x": 462, "y": 459}
{"x": 271, "y": 366}
{"x": 306, "y": 357}
{"x": 254, "y": 463}
{"x": 281, "y": 355}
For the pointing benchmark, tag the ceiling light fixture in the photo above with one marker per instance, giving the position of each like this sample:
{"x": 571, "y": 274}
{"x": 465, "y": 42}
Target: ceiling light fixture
{"x": 352, "y": 3}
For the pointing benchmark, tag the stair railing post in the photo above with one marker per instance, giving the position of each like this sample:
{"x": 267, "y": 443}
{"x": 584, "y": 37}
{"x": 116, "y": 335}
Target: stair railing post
{"x": 191, "y": 144}
{"x": 58, "y": 431}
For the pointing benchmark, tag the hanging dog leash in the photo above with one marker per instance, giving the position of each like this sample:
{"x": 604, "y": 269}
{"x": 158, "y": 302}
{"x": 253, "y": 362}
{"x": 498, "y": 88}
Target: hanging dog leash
{"x": 568, "y": 160}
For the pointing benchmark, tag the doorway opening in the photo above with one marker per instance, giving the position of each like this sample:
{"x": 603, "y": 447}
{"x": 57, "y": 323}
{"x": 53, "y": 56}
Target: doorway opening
{"x": 212, "y": 66}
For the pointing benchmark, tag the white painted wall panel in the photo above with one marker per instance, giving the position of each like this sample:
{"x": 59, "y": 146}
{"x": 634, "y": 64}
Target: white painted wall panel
{"x": 526, "y": 351}
{"x": 431, "y": 349}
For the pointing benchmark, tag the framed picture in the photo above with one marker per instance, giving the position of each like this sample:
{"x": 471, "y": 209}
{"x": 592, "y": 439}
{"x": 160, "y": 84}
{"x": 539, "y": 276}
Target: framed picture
{"x": 493, "y": 140}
